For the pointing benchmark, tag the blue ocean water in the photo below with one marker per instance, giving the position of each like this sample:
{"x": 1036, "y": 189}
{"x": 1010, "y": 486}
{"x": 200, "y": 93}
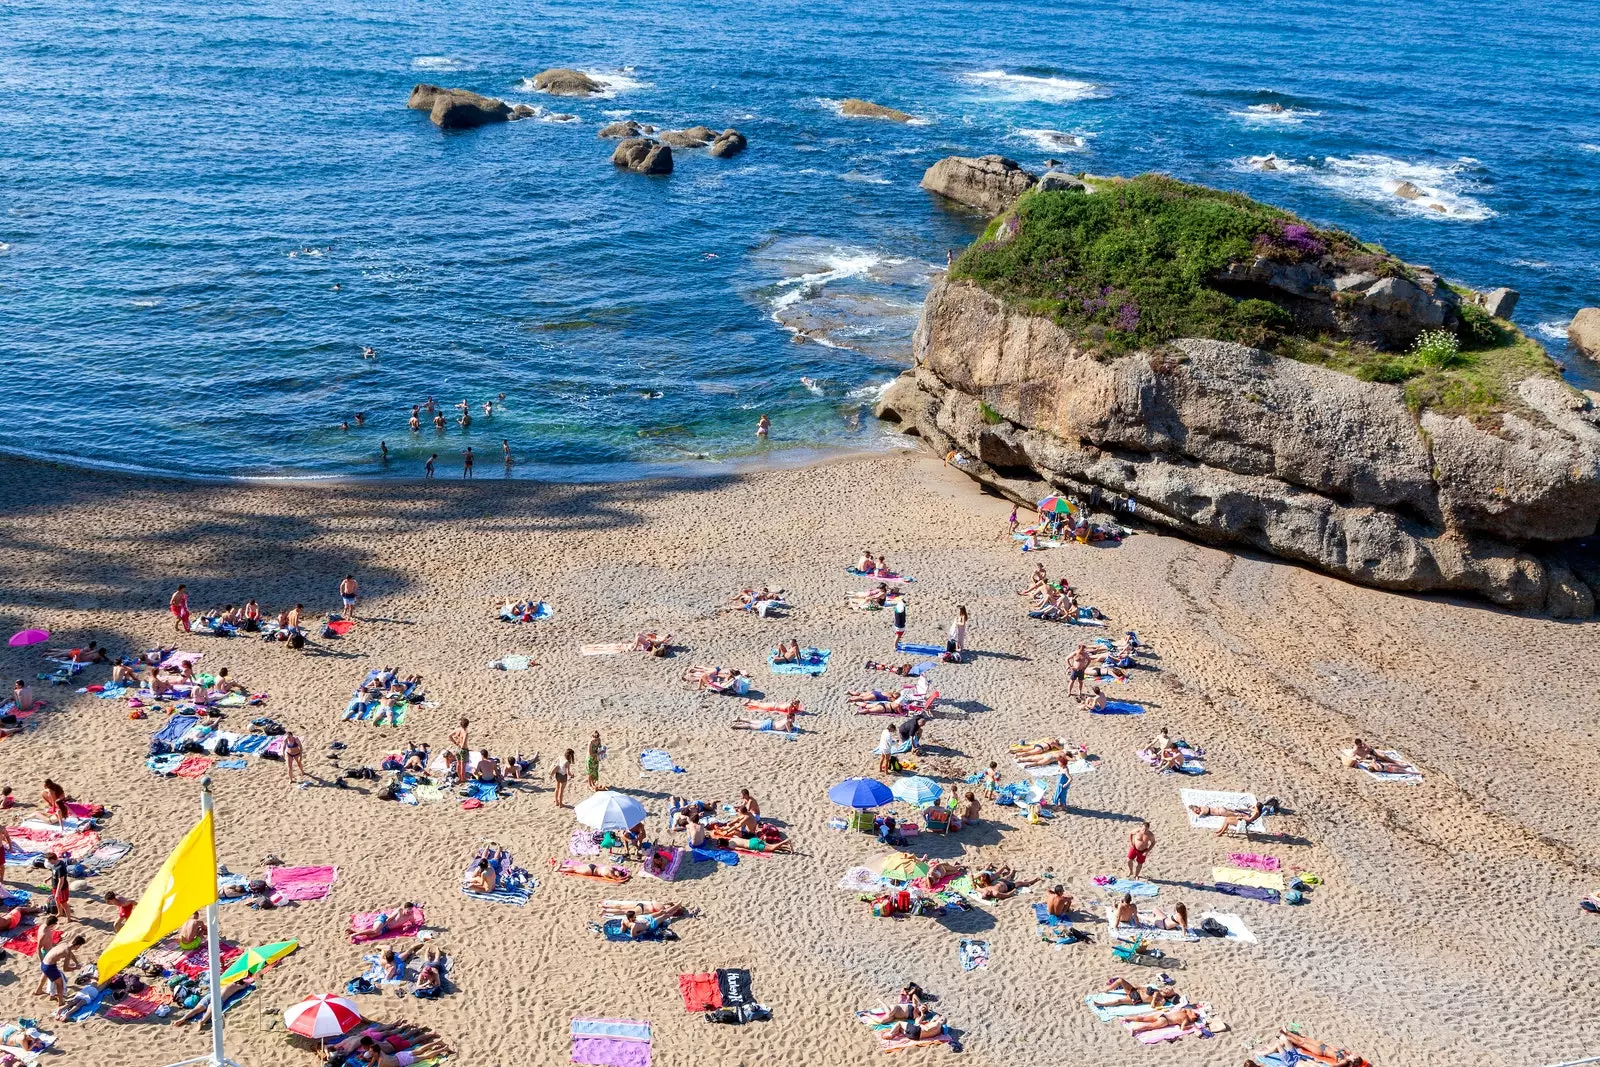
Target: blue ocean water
{"x": 210, "y": 208}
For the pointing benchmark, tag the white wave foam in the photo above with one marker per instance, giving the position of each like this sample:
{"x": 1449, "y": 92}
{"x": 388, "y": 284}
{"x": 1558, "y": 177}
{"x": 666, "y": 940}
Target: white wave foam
{"x": 1258, "y": 114}
{"x": 1269, "y": 164}
{"x": 1590, "y": 147}
{"x": 1444, "y": 190}
{"x": 435, "y": 63}
{"x": 871, "y": 392}
{"x": 1021, "y": 87}
{"x": 1553, "y": 329}
{"x": 813, "y": 386}
{"x": 4, "y": 248}
{"x": 863, "y": 179}
{"x": 1053, "y": 140}
{"x": 146, "y": 302}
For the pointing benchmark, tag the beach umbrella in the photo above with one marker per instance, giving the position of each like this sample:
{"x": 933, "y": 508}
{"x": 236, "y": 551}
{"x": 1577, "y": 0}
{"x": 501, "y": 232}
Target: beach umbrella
{"x": 1056, "y": 504}
{"x": 256, "y": 960}
{"x": 902, "y": 867}
{"x": 917, "y": 790}
{"x": 610, "y": 810}
{"x": 28, "y": 637}
{"x": 860, "y": 793}
{"x": 322, "y": 1016}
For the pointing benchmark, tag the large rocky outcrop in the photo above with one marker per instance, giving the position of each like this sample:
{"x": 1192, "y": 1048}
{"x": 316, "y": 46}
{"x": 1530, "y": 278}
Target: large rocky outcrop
{"x": 644, "y": 155}
{"x": 458, "y": 109}
{"x": 1231, "y": 445}
{"x": 989, "y": 183}
{"x": 1584, "y": 332}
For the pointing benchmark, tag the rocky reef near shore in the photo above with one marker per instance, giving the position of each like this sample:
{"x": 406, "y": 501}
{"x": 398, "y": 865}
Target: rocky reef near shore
{"x": 1244, "y": 378}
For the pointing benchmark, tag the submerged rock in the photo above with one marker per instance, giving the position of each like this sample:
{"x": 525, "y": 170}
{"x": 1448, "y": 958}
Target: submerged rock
{"x": 643, "y": 155}
{"x": 628, "y": 128}
{"x": 457, "y": 109}
{"x": 562, "y": 81}
{"x": 866, "y": 109}
{"x": 989, "y": 183}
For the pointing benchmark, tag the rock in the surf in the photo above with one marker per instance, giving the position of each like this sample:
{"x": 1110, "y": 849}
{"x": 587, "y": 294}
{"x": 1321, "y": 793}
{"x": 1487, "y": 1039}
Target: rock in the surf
{"x": 1407, "y": 191}
{"x": 627, "y": 128}
{"x": 1583, "y": 333}
{"x": 989, "y": 183}
{"x": 728, "y": 143}
{"x": 524, "y": 111}
{"x": 693, "y": 137}
{"x": 866, "y": 109}
{"x": 643, "y": 155}
{"x": 457, "y": 109}
{"x": 561, "y": 81}
{"x": 1501, "y": 302}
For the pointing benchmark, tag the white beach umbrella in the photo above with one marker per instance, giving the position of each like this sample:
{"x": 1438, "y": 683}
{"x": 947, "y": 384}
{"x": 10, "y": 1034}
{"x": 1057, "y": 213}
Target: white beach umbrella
{"x": 610, "y": 810}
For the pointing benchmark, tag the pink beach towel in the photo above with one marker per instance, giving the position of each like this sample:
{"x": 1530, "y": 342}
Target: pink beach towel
{"x": 300, "y": 883}
{"x": 176, "y": 660}
{"x": 192, "y": 767}
{"x": 368, "y": 920}
{"x": 1253, "y": 861}
{"x": 139, "y": 1006}
{"x": 84, "y": 811}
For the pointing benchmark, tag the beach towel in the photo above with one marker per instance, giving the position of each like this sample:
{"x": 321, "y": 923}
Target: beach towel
{"x": 337, "y": 627}
{"x": 670, "y": 872}
{"x": 1145, "y": 928}
{"x": 1108, "y": 1013}
{"x": 515, "y": 889}
{"x": 700, "y": 992}
{"x": 813, "y": 661}
{"x": 1130, "y": 886}
{"x": 510, "y": 663}
{"x": 614, "y": 930}
{"x": 1253, "y": 861}
{"x": 658, "y": 759}
{"x": 974, "y": 954}
{"x": 1166, "y": 1033}
{"x": 103, "y": 858}
{"x": 733, "y": 987}
{"x": 173, "y": 729}
{"x": 175, "y": 660}
{"x": 366, "y": 922}
{"x": 192, "y": 963}
{"x": 250, "y": 744}
{"x": 1251, "y": 892}
{"x": 609, "y": 648}
{"x": 1237, "y": 930}
{"x": 138, "y": 1006}
{"x": 1243, "y": 876}
{"x": 482, "y": 792}
{"x": 1119, "y": 707}
{"x": 192, "y": 767}
{"x": 232, "y": 764}
{"x": 920, "y": 650}
{"x": 300, "y": 883}
{"x": 1211, "y": 798}
{"x": 860, "y": 880}
{"x": 1410, "y": 776}
{"x": 721, "y": 855}
{"x": 611, "y": 1042}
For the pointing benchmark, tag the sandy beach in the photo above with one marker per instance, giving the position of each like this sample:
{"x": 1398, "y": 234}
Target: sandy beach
{"x": 1445, "y": 931}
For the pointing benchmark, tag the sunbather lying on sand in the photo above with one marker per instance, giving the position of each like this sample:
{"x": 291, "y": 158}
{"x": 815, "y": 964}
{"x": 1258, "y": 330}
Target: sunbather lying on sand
{"x": 590, "y": 869}
{"x": 897, "y": 706}
{"x": 521, "y": 610}
{"x": 90, "y": 653}
{"x": 784, "y": 720}
{"x": 1039, "y": 748}
{"x": 1154, "y": 996}
{"x": 1159, "y": 1020}
{"x": 925, "y": 1026}
{"x": 1156, "y": 919}
{"x": 1044, "y": 759}
{"x": 1000, "y": 883}
{"x": 652, "y": 644}
{"x": 430, "y": 976}
{"x": 867, "y": 599}
{"x": 1239, "y": 818}
{"x": 1368, "y": 758}
{"x": 1317, "y": 1050}
{"x": 407, "y": 915}
{"x": 714, "y": 679}
{"x": 662, "y": 909}
{"x": 368, "y": 1051}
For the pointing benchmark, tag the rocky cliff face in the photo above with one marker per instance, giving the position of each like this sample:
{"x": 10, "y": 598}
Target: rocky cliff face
{"x": 1231, "y": 445}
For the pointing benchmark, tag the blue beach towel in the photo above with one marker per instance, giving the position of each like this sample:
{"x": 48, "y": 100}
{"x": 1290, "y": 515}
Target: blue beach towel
{"x": 1131, "y": 886}
{"x": 658, "y": 759}
{"x": 920, "y": 650}
{"x": 250, "y": 744}
{"x": 721, "y": 855}
{"x": 164, "y": 764}
{"x": 232, "y": 764}
{"x": 1121, "y": 707}
{"x": 1042, "y": 913}
{"x": 813, "y": 661}
{"x": 173, "y": 730}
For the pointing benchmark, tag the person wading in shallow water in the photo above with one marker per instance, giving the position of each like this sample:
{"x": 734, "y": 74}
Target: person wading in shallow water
{"x": 466, "y": 463}
{"x": 762, "y": 427}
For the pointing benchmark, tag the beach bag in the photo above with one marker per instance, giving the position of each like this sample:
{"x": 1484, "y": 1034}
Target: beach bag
{"x": 358, "y": 986}
{"x": 222, "y": 747}
{"x": 297, "y": 640}
{"x": 902, "y": 901}
{"x": 1212, "y": 928}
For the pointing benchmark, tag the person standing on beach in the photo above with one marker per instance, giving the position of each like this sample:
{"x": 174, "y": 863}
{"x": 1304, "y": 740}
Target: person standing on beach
{"x": 1013, "y": 519}
{"x": 762, "y": 426}
{"x": 179, "y": 606}
{"x": 1140, "y": 844}
{"x": 294, "y": 755}
{"x": 958, "y": 632}
{"x": 349, "y": 592}
{"x": 458, "y": 741}
{"x": 427, "y": 468}
{"x": 563, "y": 774}
{"x": 466, "y": 463}
{"x": 899, "y": 620}
{"x": 60, "y": 886}
{"x": 1077, "y": 666}
{"x": 591, "y": 767}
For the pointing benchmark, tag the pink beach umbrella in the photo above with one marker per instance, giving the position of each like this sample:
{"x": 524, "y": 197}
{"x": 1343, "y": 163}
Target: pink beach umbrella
{"x": 322, "y": 1016}
{"x": 22, "y": 638}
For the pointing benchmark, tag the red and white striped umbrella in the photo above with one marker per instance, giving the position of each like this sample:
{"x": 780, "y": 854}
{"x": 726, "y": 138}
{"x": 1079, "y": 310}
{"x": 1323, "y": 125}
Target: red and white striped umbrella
{"x": 323, "y": 1015}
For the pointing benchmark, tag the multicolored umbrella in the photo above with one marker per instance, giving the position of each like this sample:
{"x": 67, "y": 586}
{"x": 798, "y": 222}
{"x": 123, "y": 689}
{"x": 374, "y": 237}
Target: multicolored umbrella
{"x": 860, "y": 793}
{"x": 322, "y": 1016}
{"x": 256, "y": 960}
{"x": 1057, "y": 504}
{"x": 902, "y": 867}
{"x": 610, "y": 810}
{"x": 917, "y": 790}
{"x": 23, "y": 638}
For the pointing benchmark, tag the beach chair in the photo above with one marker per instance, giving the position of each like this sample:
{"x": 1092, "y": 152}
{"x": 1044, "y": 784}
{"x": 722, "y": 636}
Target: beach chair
{"x": 863, "y": 821}
{"x": 936, "y": 820}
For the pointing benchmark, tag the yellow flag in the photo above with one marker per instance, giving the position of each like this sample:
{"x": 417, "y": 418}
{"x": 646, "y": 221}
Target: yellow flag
{"x": 186, "y": 883}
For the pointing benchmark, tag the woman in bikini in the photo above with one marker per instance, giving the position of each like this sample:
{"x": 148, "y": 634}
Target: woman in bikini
{"x": 54, "y": 802}
{"x": 563, "y": 774}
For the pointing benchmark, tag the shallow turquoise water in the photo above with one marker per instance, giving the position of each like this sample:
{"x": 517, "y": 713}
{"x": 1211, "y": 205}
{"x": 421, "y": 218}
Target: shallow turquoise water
{"x": 185, "y": 185}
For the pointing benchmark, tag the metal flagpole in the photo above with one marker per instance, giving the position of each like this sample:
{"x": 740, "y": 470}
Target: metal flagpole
{"x": 213, "y": 940}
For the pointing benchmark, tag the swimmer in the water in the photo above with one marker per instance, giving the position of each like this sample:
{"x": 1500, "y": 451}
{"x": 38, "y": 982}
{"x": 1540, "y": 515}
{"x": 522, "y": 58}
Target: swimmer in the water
{"x": 369, "y": 352}
{"x": 383, "y": 448}
{"x": 345, "y": 426}
{"x": 438, "y": 420}
{"x": 488, "y": 408}
{"x": 505, "y": 446}
{"x": 465, "y": 420}
{"x": 361, "y": 418}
